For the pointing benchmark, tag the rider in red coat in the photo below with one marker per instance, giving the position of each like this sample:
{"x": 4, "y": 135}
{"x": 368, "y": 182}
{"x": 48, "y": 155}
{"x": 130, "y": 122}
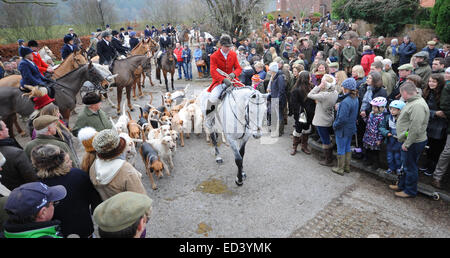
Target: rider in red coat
{"x": 42, "y": 66}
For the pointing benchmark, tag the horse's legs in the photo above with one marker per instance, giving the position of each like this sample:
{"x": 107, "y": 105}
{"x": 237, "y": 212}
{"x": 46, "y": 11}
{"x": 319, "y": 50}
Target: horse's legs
{"x": 128, "y": 91}
{"x": 119, "y": 98}
{"x": 105, "y": 95}
{"x": 213, "y": 136}
{"x": 238, "y": 159}
{"x": 165, "y": 80}
{"x": 135, "y": 82}
{"x": 172, "y": 79}
{"x": 141, "y": 85}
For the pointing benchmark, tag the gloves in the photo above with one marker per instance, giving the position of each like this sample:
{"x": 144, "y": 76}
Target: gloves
{"x": 232, "y": 75}
{"x": 227, "y": 82}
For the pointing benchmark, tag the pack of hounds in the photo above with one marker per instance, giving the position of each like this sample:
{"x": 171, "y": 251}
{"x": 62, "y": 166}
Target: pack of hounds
{"x": 156, "y": 133}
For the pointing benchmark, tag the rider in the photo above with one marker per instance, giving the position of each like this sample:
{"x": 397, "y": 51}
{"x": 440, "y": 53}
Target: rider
{"x": 117, "y": 44}
{"x": 68, "y": 47}
{"x": 227, "y": 61}
{"x": 43, "y": 66}
{"x": 105, "y": 50}
{"x": 31, "y": 76}
{"x": 164, "y": 43}
{"x": 154, "y": 32}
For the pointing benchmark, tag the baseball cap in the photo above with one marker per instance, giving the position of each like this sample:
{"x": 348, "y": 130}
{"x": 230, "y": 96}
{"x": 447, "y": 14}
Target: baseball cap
{"x": 28, "y": 199}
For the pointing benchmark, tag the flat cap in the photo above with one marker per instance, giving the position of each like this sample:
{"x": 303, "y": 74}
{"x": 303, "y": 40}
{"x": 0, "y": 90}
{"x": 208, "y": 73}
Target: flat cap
{"x": 43, "y": 121}
{"x": 121, "y": 211}
{"x": 431, "y": 42}
{"x": 423, "y": 54}
{"x": 406, "y": 67}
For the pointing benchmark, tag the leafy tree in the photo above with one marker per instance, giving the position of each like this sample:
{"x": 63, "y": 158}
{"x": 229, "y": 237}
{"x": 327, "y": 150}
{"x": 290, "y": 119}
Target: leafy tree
{"x": 440, "y": 19}
{"x": 390, "y": 16}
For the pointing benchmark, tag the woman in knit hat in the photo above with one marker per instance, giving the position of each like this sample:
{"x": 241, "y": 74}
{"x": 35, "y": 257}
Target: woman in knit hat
{"x": 86, "y": 136}
{"x": 111, "y": 173}
{"x": 54, "y": 167}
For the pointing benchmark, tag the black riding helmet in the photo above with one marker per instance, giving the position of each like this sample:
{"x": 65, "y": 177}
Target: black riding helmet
{"x": 32, "y": 43}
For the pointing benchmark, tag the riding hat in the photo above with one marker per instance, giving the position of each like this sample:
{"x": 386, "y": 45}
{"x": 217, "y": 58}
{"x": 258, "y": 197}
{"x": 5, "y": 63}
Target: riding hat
{"x": 225, "y": 41}
{"x": 32, "y": 43}
{"x": 67, "y": 38}
{"x": 122, "y": 29}
{"x": 115, "y": 32}
{"x": 23, "y": 51}
{"x": 108, "y": 144}
{"x": 99, "y": 30}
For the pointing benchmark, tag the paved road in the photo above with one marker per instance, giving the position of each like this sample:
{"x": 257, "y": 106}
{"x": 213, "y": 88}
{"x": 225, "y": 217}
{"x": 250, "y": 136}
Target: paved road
{"x": 283, "y": 196}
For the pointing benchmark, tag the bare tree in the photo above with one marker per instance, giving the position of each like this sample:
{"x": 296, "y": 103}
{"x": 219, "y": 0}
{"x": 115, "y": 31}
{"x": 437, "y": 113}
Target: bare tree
{"x": 90, "y": 14}
{"x": 235, "y": 17}
{"x": 162, "y": 11}
{"x": 41, "y": 3}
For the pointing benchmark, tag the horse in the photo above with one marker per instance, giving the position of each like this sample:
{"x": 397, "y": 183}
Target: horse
{"x": 167, "y": 65}
{"x": 239, "y": 116}
{"x": 183, "y": 36}
{"x": 66, "y": 88}
{"x": 145, "y": 46}
{"x": 125, "y": 69}
{"x": 73, "y": 61}
{"x": 46, "y": 54}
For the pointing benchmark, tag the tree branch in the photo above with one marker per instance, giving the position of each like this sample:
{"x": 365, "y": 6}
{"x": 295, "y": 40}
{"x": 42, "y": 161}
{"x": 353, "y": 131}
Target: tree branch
{"x": 44, "y": 3}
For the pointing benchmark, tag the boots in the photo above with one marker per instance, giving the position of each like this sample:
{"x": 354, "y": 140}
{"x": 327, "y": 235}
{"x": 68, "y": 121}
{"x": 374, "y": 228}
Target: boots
{"x": 328, "y": 153}
{"x": 297, "y": 140}
{"x": 340, "y": 165}
{"x": 304, "y": 142}
{"x": 348, "y": 157}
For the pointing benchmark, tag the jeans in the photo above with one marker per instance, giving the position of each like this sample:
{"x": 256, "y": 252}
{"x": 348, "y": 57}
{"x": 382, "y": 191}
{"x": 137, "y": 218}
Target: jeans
{"x": 180, "y": 65}
{"x": 324, "y": 133}
{"x": 408, "y": 179}
{"x": 187, "y": 67}
{"x": 393, "y": 154}
{"x": 343, "y": 144}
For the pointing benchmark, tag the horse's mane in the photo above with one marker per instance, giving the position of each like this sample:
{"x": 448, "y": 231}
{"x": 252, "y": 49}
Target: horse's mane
{"x": 73, "y": 71}
{"x": 64, "y": 61}
{"x": 129, "y": 57}
{"x": 138, "y": 45}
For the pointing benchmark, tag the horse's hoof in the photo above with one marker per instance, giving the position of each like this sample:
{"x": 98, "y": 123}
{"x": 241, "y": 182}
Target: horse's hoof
{"x": 238, "y": 183}
{"x": 131, "y": 109}
{"x": 219, "y": 160}
{"x": 244, "y": 176}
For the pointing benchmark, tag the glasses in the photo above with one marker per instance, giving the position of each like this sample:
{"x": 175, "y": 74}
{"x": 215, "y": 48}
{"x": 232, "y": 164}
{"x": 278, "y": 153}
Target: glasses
{"x": 55, "y": 203}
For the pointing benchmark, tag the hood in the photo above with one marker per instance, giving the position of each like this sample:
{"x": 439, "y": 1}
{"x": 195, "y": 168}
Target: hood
{"x": 106, "y": 170}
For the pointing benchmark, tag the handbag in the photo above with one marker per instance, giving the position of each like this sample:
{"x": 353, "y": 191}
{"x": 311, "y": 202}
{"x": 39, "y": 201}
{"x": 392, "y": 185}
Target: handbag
{"x": 303, "y": 118}
{"x": 200, "y": 62}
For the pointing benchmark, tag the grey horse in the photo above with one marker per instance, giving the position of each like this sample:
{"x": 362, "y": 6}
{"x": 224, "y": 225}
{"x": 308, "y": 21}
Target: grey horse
{"x": 240, "y": 115}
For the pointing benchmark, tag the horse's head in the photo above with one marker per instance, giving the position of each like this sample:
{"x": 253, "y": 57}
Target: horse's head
{"x": 169, "y": 54}
{"x": 78, "y": 59}
{"x": 256, "y": 112}
{"x": 96, "y": 76}
{"x": 49, "y": 52}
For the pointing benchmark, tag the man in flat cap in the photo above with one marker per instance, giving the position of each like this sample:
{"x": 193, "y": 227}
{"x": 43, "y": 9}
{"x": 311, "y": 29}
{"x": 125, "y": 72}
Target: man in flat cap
{"x": 105, "y": 50}
{"x": 92, "y": 115}
{"x": 423, "y": 68}
{"x": 433, "y": 52}
{"x": 125, "y": 215}
{"x": 46, "y": 133}
{"x": 403, "y": 72}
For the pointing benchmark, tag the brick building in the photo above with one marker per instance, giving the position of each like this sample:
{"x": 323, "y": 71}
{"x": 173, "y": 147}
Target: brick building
{"x": 305, "y": 6}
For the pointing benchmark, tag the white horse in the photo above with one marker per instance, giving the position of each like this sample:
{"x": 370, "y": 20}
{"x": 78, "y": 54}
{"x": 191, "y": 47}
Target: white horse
{"x": 239, "y": 116}
{"x": 47, "y": 55}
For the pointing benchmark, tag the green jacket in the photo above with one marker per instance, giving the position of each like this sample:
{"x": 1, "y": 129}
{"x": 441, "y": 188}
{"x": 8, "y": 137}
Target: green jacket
{"x": 99, "y": 121}
{"x": 349, "y": 53}
{"x": 424, "y": 71}
{"x": 445, "y": 102}
{"x": 413, "y": 120}
{"x": 388, "y": 54}
{"x": 388, "y": 81}
{"x": 335, "y": 53}
{"x": 49, "y": 139}
{"x": 381, "y": 51}
{"x": 49, "y": 229}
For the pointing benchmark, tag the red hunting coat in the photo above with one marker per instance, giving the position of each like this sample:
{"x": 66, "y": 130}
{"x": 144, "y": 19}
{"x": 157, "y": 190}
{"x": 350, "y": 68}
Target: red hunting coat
{"x": 230, "y": 65}
{"x": 40, "y": 63}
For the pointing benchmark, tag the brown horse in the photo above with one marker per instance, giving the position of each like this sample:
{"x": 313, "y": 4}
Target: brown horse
{"x": 126, "y": 69}
{"x": 167, "y": 65}
{"x": 145, "y": 47}
{"x": 72, "y": 62}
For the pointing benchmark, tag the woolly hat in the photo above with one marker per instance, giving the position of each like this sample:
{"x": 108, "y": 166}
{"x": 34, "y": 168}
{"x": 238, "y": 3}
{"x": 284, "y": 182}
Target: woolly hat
{"x": 91, "y": 98}
{"x": 273, "y": 67}
{"x": 23, "y": 51}
{"x": 121, "y": 211}
{"x": 108, "y": 144}
{"x": 349, "y": 83}
{"x": 40, "y": 102}
{"x": 86, "y": 136}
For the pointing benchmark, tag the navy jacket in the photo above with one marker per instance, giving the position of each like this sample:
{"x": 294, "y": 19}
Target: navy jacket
{"x": 30, "y": 74}
{"x": 432, "y": 54}
{"x": 278, "y": 88}
{"x": 345, "y": 123}
{"x": 164, "y": 42}
{"x": 105, "y": 52}
{"x": 133, "y": 42}
{"x": 66, "y": 50}
{"x": 147, "y": 33}
{"x": 118, "y": 46}
{"x": 73, "y": 211}
{"x": 405, "y": 52}
{"x": 187, "y": 55}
